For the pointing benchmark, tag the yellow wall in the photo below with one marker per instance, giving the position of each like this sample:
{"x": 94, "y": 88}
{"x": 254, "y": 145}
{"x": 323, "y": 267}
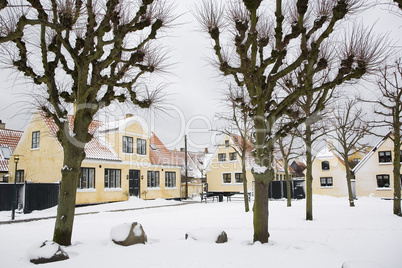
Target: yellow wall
{"x": 216, "y": 170}
{"x": 44, "y": 165}
{"x": 337, "y": 171}
{"x": 366, "y": 181}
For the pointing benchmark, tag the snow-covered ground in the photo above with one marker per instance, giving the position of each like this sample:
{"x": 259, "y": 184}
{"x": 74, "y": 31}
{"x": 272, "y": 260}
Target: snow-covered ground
{"x": 368, "y": 232}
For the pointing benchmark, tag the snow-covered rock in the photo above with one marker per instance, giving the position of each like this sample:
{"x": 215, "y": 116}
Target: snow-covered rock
{"x": 217, "y": 236}
{"x": 128, "y": 234}
{"x": 361, "y": 264}
{"x": 48, "y": 251}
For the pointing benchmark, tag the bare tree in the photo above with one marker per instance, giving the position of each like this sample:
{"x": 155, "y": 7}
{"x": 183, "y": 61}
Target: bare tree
{"x": 86, "y": 53}
{"x": 350, "y": 127}
{"x": 388, "y": 107}
{"x": 263, "y": 46}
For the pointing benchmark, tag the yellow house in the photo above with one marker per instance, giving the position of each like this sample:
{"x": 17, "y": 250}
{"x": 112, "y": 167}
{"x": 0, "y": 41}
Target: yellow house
{"x": 374, "y": 173}
{"x": 119, "y": 161}
{"x": 224, "y": 170}
{"x": 329, "y": 174}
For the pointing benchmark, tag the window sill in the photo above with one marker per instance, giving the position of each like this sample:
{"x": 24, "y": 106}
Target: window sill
{"x": 125, "y": 153}
{"x": 385, "y": 163}
{"x": 34, "y": 149}
{"x": 384, "y": 189}
{"x": 113, "y": 190}
{"x": 154, "y": 188}
{"x": 91, "y": 190}
{"x": 170, "y": 188}
{"x": 327, "y": 187}
{"x": 227, "y": 184}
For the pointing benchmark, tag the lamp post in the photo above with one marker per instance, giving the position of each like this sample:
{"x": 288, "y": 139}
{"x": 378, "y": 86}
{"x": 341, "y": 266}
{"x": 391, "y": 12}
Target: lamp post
{"x": 14, "y": 204}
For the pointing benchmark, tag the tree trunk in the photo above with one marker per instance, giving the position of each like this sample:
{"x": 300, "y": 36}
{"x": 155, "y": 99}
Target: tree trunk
{"x": 245, "y": 190}
{"x": 73, "y": 157}
{"x": 349, "y": 181}
{"x": 288, "y": 188}
{"x": 397, "y": 167}
{"x": 309, "y": 175}
{"x": 260, "y": 209}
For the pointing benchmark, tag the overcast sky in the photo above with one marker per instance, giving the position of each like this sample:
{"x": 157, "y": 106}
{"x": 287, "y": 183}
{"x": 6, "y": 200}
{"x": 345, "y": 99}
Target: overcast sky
{"x": 194, "y": 89}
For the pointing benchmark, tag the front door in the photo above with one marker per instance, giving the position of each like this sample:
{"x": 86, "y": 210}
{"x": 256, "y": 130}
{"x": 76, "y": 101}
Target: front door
{"x": 134, "y": 182}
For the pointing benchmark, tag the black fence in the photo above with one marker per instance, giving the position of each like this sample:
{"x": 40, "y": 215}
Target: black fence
{"x": 277, "y": 189}
{"x": 30, "y": 196}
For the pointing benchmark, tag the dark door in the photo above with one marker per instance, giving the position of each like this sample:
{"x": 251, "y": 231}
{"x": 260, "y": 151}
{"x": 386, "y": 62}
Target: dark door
{"x": 134, "y": 182}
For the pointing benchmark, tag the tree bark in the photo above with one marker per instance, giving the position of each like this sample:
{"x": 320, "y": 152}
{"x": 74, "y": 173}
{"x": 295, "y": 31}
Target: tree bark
{"x": 260, "y": 209}
{"x": 288, "y": 188}
{"x": 309, "y": 174}
{"x": 73, "y": 157}
{"x": 397, "y": 167}
{"x": 245, "y": 190}
{"x": 349, "y": 177}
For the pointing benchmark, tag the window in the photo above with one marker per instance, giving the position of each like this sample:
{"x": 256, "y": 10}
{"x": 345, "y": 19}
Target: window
{"x": 226, "y": 143}
{"x": 326, "y": 182}
{"x": 6, "y": 152}
{"x": 170, "y": 179}
{"x": 153, "y": 179}
{"x": 19, "y": 176}
{"x": 87, "y": 180}
{"x": 127, "y": 144}
{"x": 383, "y": 181}
{"x": 239, "y": 178}
{"x": 141, "y": 146}
{"x": 221, "y": 157}
{"x": 325, "y": 165}
{"x": 385, "y": 157}
{"x": 112, "y": 178}
{"x": 232, "y": 156}
{"x": 35, "y": 139}
{"x": 227, "y": 178}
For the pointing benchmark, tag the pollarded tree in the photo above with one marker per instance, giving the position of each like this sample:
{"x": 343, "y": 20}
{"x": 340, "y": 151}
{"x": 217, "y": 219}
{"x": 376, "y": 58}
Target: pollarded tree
{"x": 349, "y": 129}
{"x": 258, "y": 46}
{"x": 85, "y": 53}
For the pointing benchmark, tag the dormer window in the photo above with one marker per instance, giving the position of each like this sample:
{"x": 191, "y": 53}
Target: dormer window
{"x": 325, "y": 165}
{"x": 6, "y": 152}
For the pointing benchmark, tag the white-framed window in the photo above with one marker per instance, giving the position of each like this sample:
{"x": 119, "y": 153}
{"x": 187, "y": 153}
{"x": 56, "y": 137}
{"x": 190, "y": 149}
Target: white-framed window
{"x": 227, "y": 143}
{"x": 384, "y": 157}
{"x": 35, "y": 139}
{"x": 112, "y": 178}
{"x": 239, "y": 177}
{"x": 170, "y": 179}
{"x": 326, "y": 182}
{"x": 127, "y": 144}
{"x": 87, "y": 180}
{"x": 141, "y": 146}
{"x": 19, "y": 176}
{"x": 221, "y": 157}
{"x": 153, "y": 179}
{"x": 232, "y": 156}
{"x": 383, "y": 181}
{"x": 227, "y": 178}
{"x": 325, "y": 165}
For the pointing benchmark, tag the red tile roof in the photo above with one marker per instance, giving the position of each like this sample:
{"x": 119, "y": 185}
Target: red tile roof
{"x": 95, "y": 148}
{"x": 8, "y": 138}
{"x": 159, "y": 154}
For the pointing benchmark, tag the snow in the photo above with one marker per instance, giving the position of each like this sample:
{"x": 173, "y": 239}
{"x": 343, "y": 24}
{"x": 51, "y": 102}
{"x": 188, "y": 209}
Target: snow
{"x": 120, "y": 232}
{"x": 259, "y": 169}
{"x": 366, "y": 234}
{"x": 43, "y": 250}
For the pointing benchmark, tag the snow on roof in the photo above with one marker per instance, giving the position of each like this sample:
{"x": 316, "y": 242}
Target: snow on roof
{"x": 325, "y": 153}
{"x": 95, "y": 148}
{"x": 195, "y": 163}
{"x": 159, "y": 154}
{"x": 120, "y": 125}
{"x": 10, "y": 138}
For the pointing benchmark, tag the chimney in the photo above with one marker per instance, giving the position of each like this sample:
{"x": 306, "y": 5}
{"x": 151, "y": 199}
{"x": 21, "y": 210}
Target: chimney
{"x": 182, "y": 149}
{"x": 129, "y": 115}
{"x": 2, "y": 125}
{"x": 206, "y": 150}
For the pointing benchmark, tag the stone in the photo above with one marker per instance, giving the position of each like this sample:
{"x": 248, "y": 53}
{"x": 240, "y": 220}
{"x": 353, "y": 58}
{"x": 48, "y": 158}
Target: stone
{"x": 48, "y": 251}
{"x": 128, "y": 234}
{"x": 218, "y": 237}
{"x": 222, "y": 238}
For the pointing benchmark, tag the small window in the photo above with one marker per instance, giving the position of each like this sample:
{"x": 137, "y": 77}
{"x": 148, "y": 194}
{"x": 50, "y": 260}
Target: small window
{"x": 325, "y": 165}
{"x": 239, "y": 178}
{"x": 87, "y": 180}
{"x": 35, "y": 139}
{"x": 226, "y": 143}
{"x": 227, "y": 178}
{"x": 383, "y": 181}
{"x": 20, "y": 176}
{"x": 221, "y": 157}
{"x": 127, "y": 145}
{"x": 170, "y": 179}
{"x": 141, "y": 146}
{"x": 112, "y": 178}
{"x": 232, "y": 156}
{"x": 153, "y": 179}
{"x": 153, "y": 147}
{"x": 6, "y": 152}
{"x": 326, "y": 182}
{"x": 385, "y": 157}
